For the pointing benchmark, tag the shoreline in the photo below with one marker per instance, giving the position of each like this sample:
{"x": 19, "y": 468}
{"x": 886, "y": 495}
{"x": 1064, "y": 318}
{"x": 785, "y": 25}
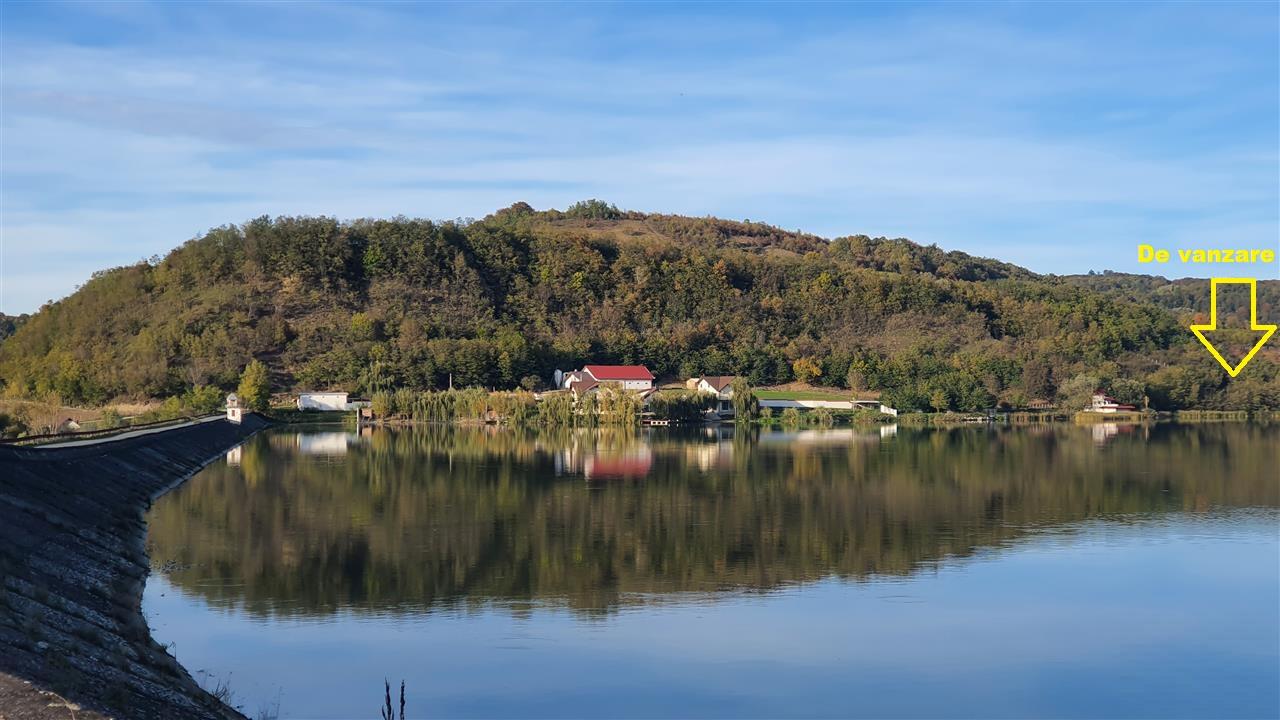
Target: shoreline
{"x": 73, "y": 566}
{"x": 908, "y": 419}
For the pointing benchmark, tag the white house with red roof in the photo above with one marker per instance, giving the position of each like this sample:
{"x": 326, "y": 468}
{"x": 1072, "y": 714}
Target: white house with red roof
{"x": 631, "y": 377}
{"x": 1104, "y": 403}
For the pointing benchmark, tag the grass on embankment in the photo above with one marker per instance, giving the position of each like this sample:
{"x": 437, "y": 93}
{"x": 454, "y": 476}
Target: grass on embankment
{"x": 766, "y": 394}
{"x": 290, "y": 415}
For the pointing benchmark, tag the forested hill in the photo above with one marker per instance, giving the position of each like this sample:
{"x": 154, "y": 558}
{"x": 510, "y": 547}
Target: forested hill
{"x": 505, "y": 300}
{"x": 9, "y": 324}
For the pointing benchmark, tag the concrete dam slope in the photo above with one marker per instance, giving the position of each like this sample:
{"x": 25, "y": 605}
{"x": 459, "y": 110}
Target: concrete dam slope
{"x": 73, "y": 565}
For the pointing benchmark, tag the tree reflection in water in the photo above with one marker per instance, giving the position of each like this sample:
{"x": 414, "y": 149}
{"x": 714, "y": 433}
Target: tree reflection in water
{"x": 308, "y": 523}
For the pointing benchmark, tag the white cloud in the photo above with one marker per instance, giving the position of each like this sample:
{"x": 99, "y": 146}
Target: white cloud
{"x": 1054, "y": 146}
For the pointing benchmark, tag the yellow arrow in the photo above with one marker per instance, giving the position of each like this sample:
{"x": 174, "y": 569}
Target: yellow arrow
{"x": 1267, "y": 330}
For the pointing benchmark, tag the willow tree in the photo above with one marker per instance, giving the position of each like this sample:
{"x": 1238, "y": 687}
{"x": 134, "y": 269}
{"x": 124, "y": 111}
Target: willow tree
{"x": 616, "y": 405}
{"x": 556, "y": 409}
{"x": 745, "y": 404}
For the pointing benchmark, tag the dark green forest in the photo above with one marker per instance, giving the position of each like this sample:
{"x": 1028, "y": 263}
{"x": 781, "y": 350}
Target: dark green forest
{"x": 503, "y": 301}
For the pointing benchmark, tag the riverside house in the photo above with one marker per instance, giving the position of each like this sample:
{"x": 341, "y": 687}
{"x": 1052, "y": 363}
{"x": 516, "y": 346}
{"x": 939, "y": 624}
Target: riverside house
{"x": 1103, "y": 403}
{"x": 719, "y": 385}
{"x": 635, "y": 378}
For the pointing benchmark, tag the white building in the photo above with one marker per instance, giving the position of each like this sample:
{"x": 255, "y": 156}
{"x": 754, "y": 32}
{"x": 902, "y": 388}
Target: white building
{"x": 630, "y": 377}
{"x": 876, "y": 405}
{"x": 719, "y": 385}
{"x": 324, "y": 401}
{"x": 1104, "y": 403}
{"x": 235, "y": 413}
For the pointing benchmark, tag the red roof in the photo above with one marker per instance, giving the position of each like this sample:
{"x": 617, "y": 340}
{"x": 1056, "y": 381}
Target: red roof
{"x": 619, "y": 372}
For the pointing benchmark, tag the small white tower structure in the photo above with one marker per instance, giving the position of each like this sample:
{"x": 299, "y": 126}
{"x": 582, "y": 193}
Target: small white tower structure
{"x": 234, "y": 412}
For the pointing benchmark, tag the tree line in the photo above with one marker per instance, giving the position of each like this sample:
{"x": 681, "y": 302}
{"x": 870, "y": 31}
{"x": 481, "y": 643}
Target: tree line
{"x": 500, "y": 303}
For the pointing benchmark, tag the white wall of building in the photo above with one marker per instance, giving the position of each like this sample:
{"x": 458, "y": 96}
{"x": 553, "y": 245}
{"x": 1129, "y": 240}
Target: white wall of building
{"x": 828, "y": 404}
{"x": 328, "y": 402}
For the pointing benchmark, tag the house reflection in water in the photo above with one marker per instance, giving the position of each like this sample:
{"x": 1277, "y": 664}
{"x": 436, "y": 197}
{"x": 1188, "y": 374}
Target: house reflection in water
{"x": 325, "y": 444}
{"x": 603, "y": 457}
{"x": 708, "y": 456}
{"x": 831, "y": 436}
{"x": 233, "y": 456}
{"x": 1104, "y": 432}
{"x": 597, "y": 463}
{"x": 625, "y": 466}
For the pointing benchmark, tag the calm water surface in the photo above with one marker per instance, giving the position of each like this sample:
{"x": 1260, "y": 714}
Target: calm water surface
{"x": 1043, "y": 572}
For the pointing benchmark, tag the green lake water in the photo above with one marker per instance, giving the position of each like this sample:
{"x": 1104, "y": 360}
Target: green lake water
{"x": 1049, "y": 571}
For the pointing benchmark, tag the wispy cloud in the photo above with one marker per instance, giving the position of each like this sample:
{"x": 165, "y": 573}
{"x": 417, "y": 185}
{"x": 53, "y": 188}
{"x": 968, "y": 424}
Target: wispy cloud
{"x": 1053, "y": 136}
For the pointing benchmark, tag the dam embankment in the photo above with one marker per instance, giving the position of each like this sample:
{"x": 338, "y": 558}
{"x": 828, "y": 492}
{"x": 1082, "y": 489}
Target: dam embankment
{"x": 73, "y": 566}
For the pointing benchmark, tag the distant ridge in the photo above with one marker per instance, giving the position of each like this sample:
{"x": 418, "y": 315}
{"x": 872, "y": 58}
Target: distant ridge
{"x": 505, "y": 300}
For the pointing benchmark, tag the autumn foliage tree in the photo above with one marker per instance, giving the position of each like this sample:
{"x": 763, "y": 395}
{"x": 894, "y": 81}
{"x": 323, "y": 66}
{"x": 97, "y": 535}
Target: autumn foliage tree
{"x": 254, "y": 390}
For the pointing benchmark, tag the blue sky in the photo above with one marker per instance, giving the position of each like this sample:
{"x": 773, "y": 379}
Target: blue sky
{"x": 1054, "y": 136}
